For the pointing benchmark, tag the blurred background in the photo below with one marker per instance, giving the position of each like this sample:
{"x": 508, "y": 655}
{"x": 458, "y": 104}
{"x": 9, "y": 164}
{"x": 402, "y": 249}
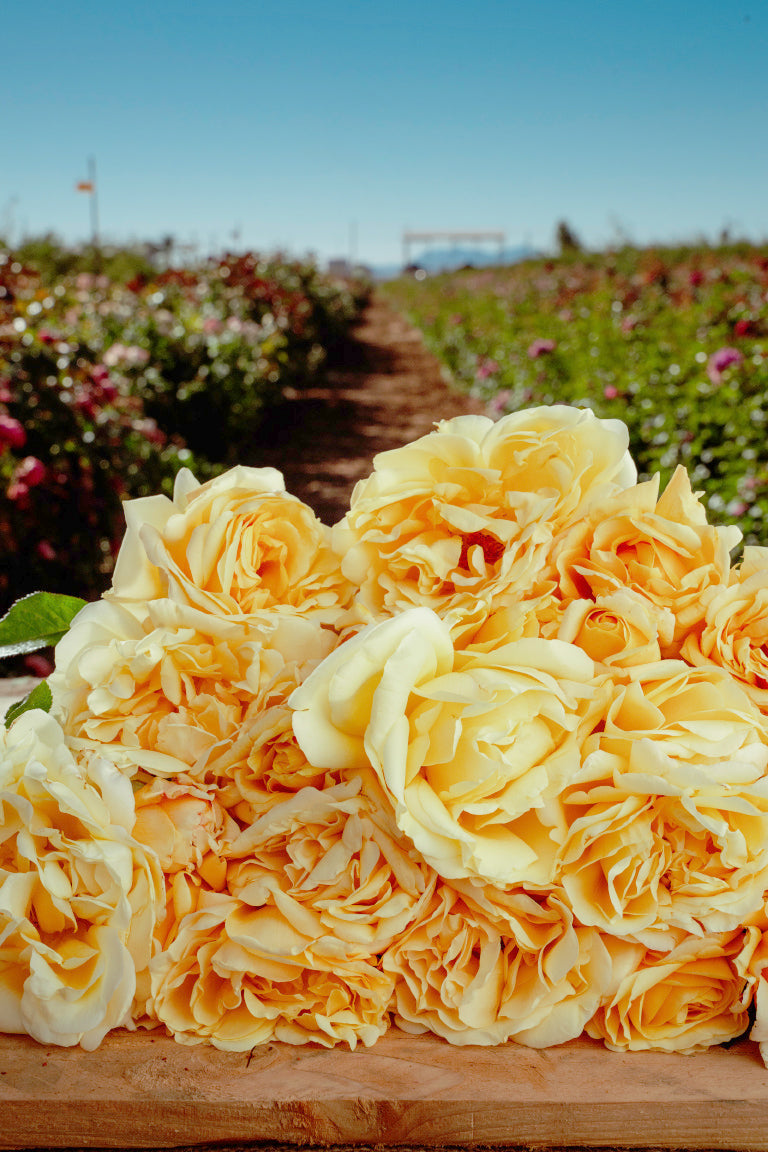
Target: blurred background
{"x": 332, "y": 128}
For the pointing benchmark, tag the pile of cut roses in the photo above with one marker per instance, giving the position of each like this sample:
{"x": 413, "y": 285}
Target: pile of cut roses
{"x": 488, "y": 759}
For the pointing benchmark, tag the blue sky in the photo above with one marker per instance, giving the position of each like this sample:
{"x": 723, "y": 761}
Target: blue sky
{"x": 332, "y": 126}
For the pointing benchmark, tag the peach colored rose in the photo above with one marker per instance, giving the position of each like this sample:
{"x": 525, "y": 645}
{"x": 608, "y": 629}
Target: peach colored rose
{"x": 464, "y": 517}
{"x": 734, "y": 633}
{"x": 472, "y": 748}
{"x": 668, "y": 820}
{"x": 335, "y": 855}
{"x": 556, "y": 971}
{"x": 236, "y": 976}
{"x": 179, "y": 693}
{"x": 78, "y": 895}
{"x": 618, "y": 629}
{"x": 233, "y": 546}
{"x": 662, "y": 549}
{"x": 684, "y": 1000}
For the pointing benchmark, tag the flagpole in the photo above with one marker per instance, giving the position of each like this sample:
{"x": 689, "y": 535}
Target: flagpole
{"x": 94, "y": 203}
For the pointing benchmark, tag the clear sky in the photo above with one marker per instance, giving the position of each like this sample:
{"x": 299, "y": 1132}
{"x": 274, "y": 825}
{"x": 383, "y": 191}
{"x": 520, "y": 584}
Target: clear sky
{"x": 332, "y": 125}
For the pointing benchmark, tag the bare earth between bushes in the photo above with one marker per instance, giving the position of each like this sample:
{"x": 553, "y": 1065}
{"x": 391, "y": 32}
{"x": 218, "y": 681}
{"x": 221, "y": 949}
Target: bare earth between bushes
{"x": 384, "y": 390}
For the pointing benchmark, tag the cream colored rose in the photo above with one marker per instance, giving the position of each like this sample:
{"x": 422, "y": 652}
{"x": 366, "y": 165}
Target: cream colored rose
{"x": 668, "y": 820}
{"x": 472, "y": 748}
{"x": 684, "y": 1000}
{"x": 235, "y": 545}
{"x": 237, "y": 976}
{"x": 734, "y": 633}
{"x": 463, "y": 517}
{"x": 78, "y": 895}
{"x": 332, "y": 855}
{"x": 662, "y": 549}
{"x": 179, "y": 692}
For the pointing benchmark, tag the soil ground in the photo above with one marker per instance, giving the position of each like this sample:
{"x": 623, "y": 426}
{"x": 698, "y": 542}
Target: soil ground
{"x": 384, "y": 390}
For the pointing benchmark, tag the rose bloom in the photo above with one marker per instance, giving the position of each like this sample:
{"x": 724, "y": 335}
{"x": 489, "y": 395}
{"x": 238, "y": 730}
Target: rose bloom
{"x": 485, "y": 965}
{"x": 236, "y": 976}
{"x": 619, "y": 630}
{"x": 472, "y": 748}
{"x": 78, "y": 894}
{"x": 661, "y": 548}
{"x": 332, "y": 859}
{"x": 464, "y": 516}
{"x": 668, "y": 822}
{"x": 734, "y": 633}
{"x": 684, "y": 1000}
{"x": 232, "y": 546}
{"x": 178, "y": 692}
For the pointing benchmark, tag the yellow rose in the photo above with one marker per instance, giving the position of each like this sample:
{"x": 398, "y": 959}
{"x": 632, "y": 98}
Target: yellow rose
{"x": 464, "y": 517}
{"x": 237, "y": 976}
{"x": 555, "y": 971}
{"x": 78, "y": 895}
{"x": 334, "y": 855}
{"x": 662, "y": 549}
{"x": 472, "y": 748}
{"x": 684, "y": 1000}
{"x": 450, "y": 973}
{"x": 668, "y": 820}
{"x": 735, "y": 627}
{"x": 618, "y": 629}
{"x": 233, "y": 546}
{"x": 179, "y": 692}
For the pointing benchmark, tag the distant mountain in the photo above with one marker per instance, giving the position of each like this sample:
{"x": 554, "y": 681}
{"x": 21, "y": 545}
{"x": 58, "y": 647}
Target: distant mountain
{"x": 447, "y": 259}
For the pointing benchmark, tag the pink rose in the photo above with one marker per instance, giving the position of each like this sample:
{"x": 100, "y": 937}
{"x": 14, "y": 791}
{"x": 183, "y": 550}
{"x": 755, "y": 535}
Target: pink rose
{"x": 720, "y": 360}
{"x": 12, "y": 433}
{"x": 541, "y": 348}
{"x": 30, "y": 472}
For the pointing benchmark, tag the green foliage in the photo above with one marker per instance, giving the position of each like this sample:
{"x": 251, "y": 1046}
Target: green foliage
{"x": 672, "y": 341}
{"x": 37, "y": 621}
{"x": 40, "y": 697}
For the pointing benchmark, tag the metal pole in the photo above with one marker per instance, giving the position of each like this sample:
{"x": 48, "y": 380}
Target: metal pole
{"x": 94, "y": 203}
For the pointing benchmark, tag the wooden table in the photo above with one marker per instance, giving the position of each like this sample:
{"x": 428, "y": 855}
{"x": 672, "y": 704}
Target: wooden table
{"x": 143, "y": 1090}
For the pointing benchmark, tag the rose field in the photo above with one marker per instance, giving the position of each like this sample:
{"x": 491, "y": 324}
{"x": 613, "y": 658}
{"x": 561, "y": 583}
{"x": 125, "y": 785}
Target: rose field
{"x": 111, "y": 381}
{"x": 674, "y": 342}
{"x": 485, "y": 760}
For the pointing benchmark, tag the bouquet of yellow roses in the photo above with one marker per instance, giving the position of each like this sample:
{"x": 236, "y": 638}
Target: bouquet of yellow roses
{"x": 488, "y": 759}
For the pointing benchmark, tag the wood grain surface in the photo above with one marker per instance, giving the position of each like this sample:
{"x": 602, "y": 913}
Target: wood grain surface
{"x": 143, "y": 1090}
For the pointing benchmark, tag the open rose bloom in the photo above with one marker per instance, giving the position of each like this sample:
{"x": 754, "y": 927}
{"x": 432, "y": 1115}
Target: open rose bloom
{"x": 487, "y": 759}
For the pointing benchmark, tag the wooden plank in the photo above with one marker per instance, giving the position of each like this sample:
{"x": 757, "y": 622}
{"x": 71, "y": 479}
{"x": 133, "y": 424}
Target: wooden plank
{"x": 142, "y": 1090}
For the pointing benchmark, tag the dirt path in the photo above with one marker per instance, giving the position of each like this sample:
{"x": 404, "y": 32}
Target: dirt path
{"x": 385, "y": 390}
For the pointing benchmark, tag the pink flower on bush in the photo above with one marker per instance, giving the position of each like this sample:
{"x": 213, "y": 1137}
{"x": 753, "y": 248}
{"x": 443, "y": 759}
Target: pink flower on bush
{"x": 12, "y": 434}
{"x": 610, "y": 392}
{"x": 46, "y": 337}
{"x": 486, "y": 368}
{"x": 497, "y": 405}
{"x": 30, "y": 471}
{"x": 742, "y": 327}
{"x": 45, "y": 550}
{"x": 38, "y": 665}
{"x": 541, "y": 348}
{"x": 720, "y": 360}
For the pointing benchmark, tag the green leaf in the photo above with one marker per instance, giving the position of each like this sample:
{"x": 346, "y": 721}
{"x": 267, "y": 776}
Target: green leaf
{"x": 36, "y": 621}
{"x": 39, "y": 697}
